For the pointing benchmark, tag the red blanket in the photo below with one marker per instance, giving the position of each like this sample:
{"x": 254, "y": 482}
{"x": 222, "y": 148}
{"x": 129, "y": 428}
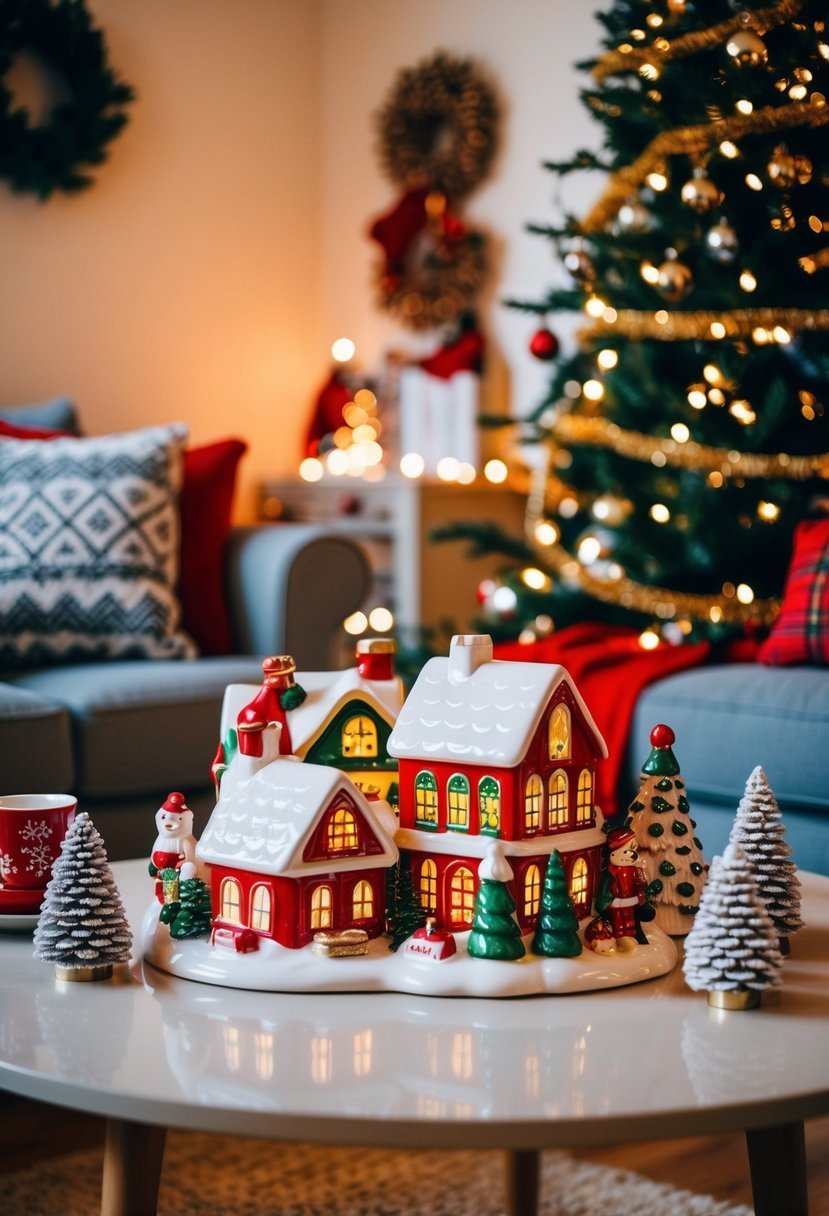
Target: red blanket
{"x": 610, "y": 669}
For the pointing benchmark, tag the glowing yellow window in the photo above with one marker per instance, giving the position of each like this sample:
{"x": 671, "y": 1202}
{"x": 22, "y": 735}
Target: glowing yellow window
{"x": 426, "y": 798}
{"x": 532, "y": 891}
{"x": 260, "y": 908}
{"x": 362, "y": 901}
{"x": 489, "y": 805}
{"x": 342, "y": 831}
{"x": 429, "y": 885}
{"x": 321, "y": 908}
{"x": 584, "y": 798}
{"x": 461, "y": 897}
{"x": 458, "y": 802}
{"x": 230, "y": 900}
{"x": 360, "y": 737}
{"x": 558, "y": 810}
{"x": 578, "y": 882}
{"x": 533, "y": 797}
{"x": 559, "y": 733}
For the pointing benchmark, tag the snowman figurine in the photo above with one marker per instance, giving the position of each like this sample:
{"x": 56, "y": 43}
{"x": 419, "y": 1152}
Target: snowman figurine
{"x": 175, "y": 846}
{"x": 623, "y": 890}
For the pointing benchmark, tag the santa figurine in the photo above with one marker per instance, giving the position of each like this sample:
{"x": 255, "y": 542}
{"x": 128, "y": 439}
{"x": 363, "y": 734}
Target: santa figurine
{"x": 623, "y": 890}
{"x": 175, "y": 845}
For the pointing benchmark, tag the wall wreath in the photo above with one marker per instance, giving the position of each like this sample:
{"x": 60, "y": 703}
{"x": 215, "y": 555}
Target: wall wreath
{"x": 57, "y": 154}
{"x": 437, "y": 139}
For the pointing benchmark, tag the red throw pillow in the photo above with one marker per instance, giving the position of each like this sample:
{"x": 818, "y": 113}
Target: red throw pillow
{"x": 206, "y": 501}
{"x": 10, "y": 430}
{"x": 801, "y": 632}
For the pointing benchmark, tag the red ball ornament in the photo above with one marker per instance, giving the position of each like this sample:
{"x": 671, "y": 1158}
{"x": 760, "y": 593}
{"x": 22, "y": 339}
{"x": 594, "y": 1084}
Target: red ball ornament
{"x": 662, "y": 736}
{"x": 544, "y": 344}
{"x": 484, "y": 590}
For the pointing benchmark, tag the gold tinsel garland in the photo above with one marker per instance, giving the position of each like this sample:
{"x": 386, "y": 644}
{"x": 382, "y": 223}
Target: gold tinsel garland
{"x": 697, "y": 138}
{"x": 675, "y": 326}
{"x": 662, "y": 51}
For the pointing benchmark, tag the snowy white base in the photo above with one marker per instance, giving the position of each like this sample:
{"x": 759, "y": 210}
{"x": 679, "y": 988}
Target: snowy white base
{"x": 274, "y": 968}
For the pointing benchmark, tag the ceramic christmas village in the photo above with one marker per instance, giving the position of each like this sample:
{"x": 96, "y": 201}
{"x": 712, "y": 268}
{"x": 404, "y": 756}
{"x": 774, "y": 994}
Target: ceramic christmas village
{"x": 445, "y": 844}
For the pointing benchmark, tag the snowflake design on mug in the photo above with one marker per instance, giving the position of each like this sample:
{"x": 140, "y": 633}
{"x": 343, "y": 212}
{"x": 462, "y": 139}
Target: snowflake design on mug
{"x": 38, "y": 833}
{"x": 7, "y": 865}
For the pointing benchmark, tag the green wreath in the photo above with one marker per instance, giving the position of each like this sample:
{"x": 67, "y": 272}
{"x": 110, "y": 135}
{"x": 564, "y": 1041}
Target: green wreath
{"x": 52, "y": 156}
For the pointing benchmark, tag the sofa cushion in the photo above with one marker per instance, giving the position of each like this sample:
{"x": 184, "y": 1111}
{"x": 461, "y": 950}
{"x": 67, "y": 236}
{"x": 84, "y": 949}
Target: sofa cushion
{"x": 59, "y": 414}
{"x": 731, "y": 717}
{"x": 142, "y": 727}
{"x": 89, "y": 547}
{"x": 801, "y": 632}
{"x": 35, "y": 743}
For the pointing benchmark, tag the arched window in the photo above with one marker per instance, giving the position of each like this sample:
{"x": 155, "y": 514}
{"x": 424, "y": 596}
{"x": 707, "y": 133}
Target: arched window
{"x": 429, "y": 885}
{"x": 321, "y": 901}
{"x": 578, "y": 883}
{"x": 558, "y": 808}
{"x": 489, "y": 805}
{"x": 461, "y": 898}
{"x": 230, "y": 900}
{"x": 359, "y": 737}
{"x": 426, "y": 799}
{"x": 458, "y": 803}
{"x": 260, "y": 908}
{"x": 342, "y": 831}
{"x": 533, "y": 797}
{"x": 559, "y": 733}
{"x": 584, "y": 798}
{"x": 532, "y": 891}
{"x": 362, "y": 901}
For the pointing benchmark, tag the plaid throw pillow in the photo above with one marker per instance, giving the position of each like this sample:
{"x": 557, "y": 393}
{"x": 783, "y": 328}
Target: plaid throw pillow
{"x": 89, "y": 548}
{"x": 801, "y": 633}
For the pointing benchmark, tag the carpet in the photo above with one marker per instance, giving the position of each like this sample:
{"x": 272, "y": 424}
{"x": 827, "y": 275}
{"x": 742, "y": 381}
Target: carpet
{"x": 224, "y": 1176}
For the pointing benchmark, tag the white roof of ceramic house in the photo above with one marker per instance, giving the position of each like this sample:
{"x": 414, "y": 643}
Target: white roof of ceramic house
{"x": 474, "y": 708}
{"x": 327, "y": 692}
{"x": 264, "y": 823}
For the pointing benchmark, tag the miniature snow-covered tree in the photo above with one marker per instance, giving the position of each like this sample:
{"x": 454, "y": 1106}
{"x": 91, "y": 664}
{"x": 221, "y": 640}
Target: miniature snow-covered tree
{"x": 83, "y": 929}
{"x": 557, "y": 929}
{"x": 759, "y": 831}
{"x": 669, "y": 852}
{"x": 495, "y": 931}
{"x": 194, "y": 912}
{"x": 731, "y": 951}
{"x": 407, "y": 912}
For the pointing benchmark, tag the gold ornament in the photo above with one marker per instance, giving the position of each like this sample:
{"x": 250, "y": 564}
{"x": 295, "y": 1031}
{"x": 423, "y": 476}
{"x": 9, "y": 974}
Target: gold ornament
{"x": 747, "y": 49}
{"x": 675, "y": 280}
{"x": 580, "y": 267}
{"x": 784, "y": 169}
{"x": 722, "y": 242}
{"x": 700, "y": 193}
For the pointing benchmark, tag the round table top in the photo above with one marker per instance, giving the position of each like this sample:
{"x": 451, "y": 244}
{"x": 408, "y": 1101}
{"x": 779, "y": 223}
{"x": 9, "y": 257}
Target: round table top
{"x": 646, "y": 1061}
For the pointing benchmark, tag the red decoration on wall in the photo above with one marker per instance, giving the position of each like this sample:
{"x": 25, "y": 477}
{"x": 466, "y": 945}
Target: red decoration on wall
{"x": 464, "y": 354}
{"x": 333, "y": 397}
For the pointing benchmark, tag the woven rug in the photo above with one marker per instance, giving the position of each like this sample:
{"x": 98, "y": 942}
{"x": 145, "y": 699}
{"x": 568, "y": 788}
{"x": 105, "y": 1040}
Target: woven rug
{"x": 224, "y": 1176}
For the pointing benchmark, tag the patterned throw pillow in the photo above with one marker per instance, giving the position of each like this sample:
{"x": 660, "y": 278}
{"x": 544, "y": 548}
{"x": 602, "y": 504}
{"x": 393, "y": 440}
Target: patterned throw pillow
{"x": 89, "y": 548}
{"x": 800, "y": 635}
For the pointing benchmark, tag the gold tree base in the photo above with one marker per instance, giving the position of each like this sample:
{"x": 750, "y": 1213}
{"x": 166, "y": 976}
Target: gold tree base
{"x": 734, "y": 1000}
{"x": 103, "y": 971}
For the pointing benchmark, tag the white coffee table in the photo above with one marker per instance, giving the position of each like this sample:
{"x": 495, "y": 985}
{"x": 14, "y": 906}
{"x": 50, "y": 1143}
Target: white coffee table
{"x": 150, "y": 1052}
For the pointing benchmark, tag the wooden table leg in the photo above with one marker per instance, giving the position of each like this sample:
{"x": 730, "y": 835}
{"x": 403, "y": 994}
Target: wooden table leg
{"x": 133, "y": 1154}
{"x": 523, "y": 1168}
{"x": 777, "y": 1157}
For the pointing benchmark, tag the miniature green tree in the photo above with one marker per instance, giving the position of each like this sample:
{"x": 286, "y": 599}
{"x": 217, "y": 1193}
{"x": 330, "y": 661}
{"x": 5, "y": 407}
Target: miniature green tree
{"x": 83, "y": 928}
{"x": 407, "y": 912}
{"x": 194, "y": 915}
{"x": 557, "y": 929}
{"x": 495, "y": 931}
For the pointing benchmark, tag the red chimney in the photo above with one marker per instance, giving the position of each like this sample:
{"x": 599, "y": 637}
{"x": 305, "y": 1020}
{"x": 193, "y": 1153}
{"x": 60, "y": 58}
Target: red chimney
{"x": 375, "y": 658}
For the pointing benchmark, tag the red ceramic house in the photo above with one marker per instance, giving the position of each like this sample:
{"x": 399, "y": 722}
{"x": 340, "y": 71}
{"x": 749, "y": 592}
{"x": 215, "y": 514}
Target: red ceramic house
{"x": 489, "y": 749}
{"x": 296, "y": 848}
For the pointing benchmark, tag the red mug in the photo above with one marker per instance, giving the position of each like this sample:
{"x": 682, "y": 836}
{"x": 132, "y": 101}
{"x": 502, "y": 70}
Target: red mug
{"x": 32, "y": 828}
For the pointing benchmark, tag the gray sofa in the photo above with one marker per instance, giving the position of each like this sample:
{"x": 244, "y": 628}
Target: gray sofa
{"x": 122, "y": 734}
{"x": 731, "y": 717}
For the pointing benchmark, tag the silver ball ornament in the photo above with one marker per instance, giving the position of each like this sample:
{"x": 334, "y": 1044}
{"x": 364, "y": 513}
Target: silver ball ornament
{"x": 722, "y": 243}
{"x": 701, "y": 194}
{"x": 633, "y": 216}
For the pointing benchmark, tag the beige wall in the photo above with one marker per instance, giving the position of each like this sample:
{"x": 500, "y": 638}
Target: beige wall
{"x": 222, "y": 247}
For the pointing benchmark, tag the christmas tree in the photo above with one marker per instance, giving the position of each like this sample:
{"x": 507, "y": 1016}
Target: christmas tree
{"x": 406, "y": 912}
{"x": 732, "y": 947}
{"x": 194, "y": 914}
{"x": 687, "y": 435}
{"x": 759, "y": 831}
{"x": 495, "y": 932}
{"x": 557, "y": 929}
{"x": 669, "y": 852}
{"x": 83, "y": 928}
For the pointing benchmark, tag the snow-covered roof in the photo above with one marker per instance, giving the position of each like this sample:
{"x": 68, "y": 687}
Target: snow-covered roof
{"x": 264, "y": 823}
{"x": 327, "y": 692}
{"x": 487, "y": 714}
